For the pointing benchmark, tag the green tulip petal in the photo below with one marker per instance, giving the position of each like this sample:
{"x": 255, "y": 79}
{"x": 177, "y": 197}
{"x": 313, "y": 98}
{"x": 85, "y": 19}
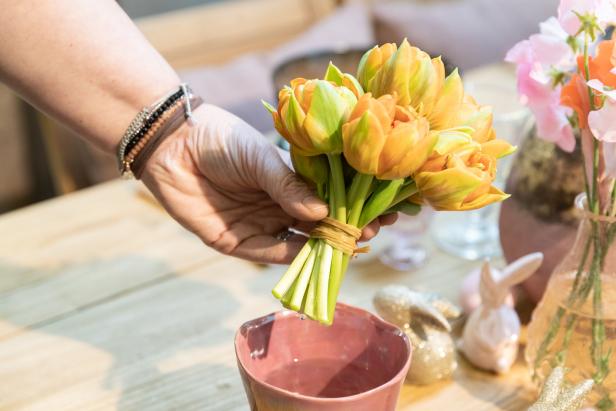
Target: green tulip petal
{"x": 447, "y": 189}
{"x": 351, "y": 83}
{"x": 365, "y": 71}
{"x": 293, "y": 118}
{"x": 394, "y": 76}
{"x": 450, "y": 140}
{"x": 334, "y": 74}
{"x": 447, "y": 106}
{"x": 494, "y": 196}
{"x": 268, "y": 106}
{"x": 363, "y": 143}
{"x": 327, "y": 112}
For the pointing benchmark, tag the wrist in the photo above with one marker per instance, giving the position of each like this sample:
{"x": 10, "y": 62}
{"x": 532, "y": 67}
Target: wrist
{"x": 152, "y": 126}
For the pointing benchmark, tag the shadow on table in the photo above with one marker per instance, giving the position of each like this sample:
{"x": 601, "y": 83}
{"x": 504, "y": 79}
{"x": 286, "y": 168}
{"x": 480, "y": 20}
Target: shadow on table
{"x": 147, "y": 330}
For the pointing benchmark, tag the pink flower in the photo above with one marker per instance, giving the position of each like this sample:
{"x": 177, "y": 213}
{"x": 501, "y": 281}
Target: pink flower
{"x": 538, "y": 94}
{"x": 550, "y": 48}
{"x": 602, "y": 124}
{"x": 604, "y": 10}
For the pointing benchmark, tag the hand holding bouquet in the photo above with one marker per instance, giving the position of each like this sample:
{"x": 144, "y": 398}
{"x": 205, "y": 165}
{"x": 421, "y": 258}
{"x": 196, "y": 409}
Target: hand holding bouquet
{"x": 399, "y": 135}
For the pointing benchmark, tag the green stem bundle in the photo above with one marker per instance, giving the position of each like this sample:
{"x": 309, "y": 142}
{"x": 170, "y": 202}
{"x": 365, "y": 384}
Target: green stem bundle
{"x": 312, "y": 282}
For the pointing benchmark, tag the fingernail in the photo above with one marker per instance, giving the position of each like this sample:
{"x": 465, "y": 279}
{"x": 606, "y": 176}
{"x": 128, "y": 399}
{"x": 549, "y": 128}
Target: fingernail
{"x": 315, "y": 205}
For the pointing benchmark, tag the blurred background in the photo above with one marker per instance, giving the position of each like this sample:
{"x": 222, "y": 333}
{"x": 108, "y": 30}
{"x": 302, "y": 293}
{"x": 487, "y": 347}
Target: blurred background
{"x": 236, "y": 52}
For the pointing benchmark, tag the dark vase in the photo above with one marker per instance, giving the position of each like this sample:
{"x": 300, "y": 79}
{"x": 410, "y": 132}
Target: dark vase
{"x": 540, "y": 215}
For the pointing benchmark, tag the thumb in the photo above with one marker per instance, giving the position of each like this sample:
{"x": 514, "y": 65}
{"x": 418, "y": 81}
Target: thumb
{"x": 288, "y": 189}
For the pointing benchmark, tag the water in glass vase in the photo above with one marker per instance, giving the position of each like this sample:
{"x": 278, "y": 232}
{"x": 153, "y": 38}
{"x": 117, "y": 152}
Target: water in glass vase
{"x": 325, "y": 378}
{"x": 571, "y": 343}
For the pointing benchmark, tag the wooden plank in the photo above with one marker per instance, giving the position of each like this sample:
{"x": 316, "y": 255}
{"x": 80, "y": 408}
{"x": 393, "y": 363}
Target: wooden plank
{"x": 169, "y": 346}
{"x": 212, "y": 34}
{"x": 97, "y": 255}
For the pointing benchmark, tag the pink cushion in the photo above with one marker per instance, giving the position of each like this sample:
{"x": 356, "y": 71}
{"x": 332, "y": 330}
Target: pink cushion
{"x": 239, "y": 85}
{"x": 467, "y": 33}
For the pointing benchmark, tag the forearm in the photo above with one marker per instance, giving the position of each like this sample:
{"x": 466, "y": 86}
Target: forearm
{"x": 83, "y": 62}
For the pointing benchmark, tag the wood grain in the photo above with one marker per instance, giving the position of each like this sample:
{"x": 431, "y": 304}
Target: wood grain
{"x": 107, "y": 304}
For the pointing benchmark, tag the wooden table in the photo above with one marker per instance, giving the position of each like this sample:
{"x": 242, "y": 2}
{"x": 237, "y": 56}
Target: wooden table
{"x": 107, "y": 304}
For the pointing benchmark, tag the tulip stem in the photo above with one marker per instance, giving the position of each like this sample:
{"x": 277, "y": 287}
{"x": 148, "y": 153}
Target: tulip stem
{"x": 325, "y": 270}
{"x": 363, "y": 183}
{"x": 338, "y": 190}
{"x": 301, "y": 285}
{"x": 338, "y": 210}
{"x": 311, "y": 294}
{"x": 359, "y": 191}
{"x": 287, "y": 280}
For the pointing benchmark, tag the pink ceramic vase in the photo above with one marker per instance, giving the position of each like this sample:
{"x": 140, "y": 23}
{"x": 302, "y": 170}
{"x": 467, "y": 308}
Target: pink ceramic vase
{"x": 290, "y": 363}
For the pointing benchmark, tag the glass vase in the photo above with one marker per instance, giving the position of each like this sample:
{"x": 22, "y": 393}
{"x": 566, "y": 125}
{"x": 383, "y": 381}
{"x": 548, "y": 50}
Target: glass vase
{"x": 574, "y": 325}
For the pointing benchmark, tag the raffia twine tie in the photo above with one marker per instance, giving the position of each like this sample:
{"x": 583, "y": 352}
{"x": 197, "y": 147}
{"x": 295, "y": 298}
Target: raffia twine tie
{"x": 598, "y": 217}
{"x": 339, "y": 235}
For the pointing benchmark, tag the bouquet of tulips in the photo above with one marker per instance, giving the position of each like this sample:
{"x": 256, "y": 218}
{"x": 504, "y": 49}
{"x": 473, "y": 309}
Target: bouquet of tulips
{"x": 398, "y": 135}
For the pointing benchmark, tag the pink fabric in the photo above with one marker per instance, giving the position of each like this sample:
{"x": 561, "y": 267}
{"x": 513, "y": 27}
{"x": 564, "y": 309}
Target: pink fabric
{"x": 467, "y": 33}
{"x": 239, "y": 85}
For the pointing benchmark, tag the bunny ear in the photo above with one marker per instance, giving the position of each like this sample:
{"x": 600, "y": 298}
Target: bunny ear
{"x": 420, "y": 306}
{"x": 521, "y": 269}
{"x": 488, "y": 288}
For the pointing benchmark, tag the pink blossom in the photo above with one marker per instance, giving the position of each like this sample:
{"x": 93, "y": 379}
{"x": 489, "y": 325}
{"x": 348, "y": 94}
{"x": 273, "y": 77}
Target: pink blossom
{"x": 544, "y": 51}
{"x": 602, "y": 122}
{"x": 550, "y": 48}
{"x": 539, "y": 95}
{"x": 604, "y": 10}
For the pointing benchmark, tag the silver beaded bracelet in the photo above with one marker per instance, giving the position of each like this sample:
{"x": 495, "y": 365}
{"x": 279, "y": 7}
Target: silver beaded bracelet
{"x": 147, "y": 114}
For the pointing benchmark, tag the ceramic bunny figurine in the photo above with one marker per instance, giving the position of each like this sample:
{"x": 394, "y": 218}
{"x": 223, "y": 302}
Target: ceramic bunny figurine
{"x": 424, "y": 318}
{"x": 491, "y": 334}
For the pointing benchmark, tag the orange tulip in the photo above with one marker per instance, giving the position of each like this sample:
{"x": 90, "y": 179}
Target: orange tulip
{"x": 385, "y": 139}
{"x": 478, "y": 117}
{"x": 407, "y": 72}
{"x": 459, "y": 175}
{"x": 310, "y": 115}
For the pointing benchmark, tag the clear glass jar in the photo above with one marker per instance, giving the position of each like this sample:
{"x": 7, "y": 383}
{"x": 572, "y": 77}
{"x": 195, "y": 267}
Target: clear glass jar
{"x": 574, "y": 325}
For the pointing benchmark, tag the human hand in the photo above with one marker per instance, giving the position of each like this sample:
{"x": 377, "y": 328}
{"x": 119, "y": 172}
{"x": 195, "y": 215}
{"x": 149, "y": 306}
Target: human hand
{"x": 222, "y": 180}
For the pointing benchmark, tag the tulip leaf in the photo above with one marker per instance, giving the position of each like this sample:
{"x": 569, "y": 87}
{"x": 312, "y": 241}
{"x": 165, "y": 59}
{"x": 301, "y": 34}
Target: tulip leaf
{"x": 405, "y": 207}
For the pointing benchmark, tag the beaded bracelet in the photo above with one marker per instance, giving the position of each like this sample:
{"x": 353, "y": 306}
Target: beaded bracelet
{"x": 151, "y": 126}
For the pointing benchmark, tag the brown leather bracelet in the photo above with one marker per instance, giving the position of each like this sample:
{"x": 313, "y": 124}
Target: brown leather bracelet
{"x": 167, "y": 128}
